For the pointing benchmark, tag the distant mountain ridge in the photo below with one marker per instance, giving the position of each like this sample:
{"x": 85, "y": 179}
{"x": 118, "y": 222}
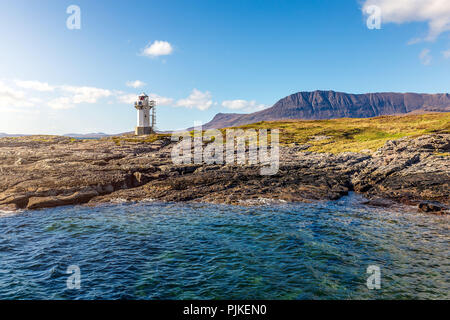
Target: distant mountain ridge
{"x": 318, "y": 105}
{"x": 6, "y": 135}
{"x": 70, "y": 135}
{"x": 94, "y": 135}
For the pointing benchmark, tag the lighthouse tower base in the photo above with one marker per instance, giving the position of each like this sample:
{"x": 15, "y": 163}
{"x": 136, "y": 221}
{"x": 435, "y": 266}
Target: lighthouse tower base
{"x": 143, "y": 130}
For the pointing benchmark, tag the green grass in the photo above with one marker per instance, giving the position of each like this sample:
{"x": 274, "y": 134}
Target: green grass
{"x": 346, "y": 135}
{"x": 442, "y": 154}
{"x": 43, "y": 138}
{"x": 355, "y": 135}
{"x": 139, "y": 139}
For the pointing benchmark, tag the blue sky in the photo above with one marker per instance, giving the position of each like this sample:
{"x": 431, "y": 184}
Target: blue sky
{"x": 208, "y": 57}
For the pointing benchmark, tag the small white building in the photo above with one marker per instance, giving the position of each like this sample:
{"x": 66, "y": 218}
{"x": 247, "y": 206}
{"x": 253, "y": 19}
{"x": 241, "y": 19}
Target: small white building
{"x": 143, "y": 106}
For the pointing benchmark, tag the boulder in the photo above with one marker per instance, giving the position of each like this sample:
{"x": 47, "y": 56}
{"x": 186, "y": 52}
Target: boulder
{"x": 431, "y": 207}
{"x": 55, "y": 201}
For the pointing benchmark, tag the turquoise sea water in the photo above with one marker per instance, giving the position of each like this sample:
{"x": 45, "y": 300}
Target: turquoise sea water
{"x": 201, "y": 251}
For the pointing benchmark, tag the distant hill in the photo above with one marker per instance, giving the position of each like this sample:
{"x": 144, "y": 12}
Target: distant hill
{"x": 318, "y": 105}
{"x": 96, "y": 135}
{"x": 71, "y": 135}
{"x": 4, "y": 135}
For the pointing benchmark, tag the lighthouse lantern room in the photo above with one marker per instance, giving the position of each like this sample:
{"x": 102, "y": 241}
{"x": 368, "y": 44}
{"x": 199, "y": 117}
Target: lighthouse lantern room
{"x": 143, "y": 106}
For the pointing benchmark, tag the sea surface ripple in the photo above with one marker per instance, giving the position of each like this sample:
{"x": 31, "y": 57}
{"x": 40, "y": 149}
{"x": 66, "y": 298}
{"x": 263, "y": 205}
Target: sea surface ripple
{"x": 202, "y": 251}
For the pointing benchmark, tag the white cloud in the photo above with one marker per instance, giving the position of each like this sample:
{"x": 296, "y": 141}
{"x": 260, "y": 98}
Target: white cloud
{"x": 446, "y": 54}
{"x": 10, "y": 97}
{"x": 73, "y": 95}
{"x": 425, "y": 57}
{"x": 130, "y": 98}
{"x": 63, "y": 97}
{"x": 435, "y": 12}
{"x": 244, "y": 105}
{"x": 197, "y": 99}
{"x": 160, "y": 101}
{"x": 35, "y": 100}
{"x": 35, "y": 85}
{"x": 86, "y": 94}
{"x": 158, "y": 48}
{"x": 61, "y": 103}
{"x": 135, "y": 84}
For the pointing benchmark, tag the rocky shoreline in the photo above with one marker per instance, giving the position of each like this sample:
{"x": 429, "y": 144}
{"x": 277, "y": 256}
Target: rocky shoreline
{"x": 48, "y": 171}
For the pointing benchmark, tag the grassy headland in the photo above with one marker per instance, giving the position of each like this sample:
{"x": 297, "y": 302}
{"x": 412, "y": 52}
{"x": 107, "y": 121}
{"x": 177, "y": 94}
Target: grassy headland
{"x": 338, "y": 135}
{"x": 355, "y": 135}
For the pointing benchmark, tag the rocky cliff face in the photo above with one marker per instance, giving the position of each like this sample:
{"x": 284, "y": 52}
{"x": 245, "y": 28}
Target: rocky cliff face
{"x": 329, "y": 105}
{"x": 53, "y": 171}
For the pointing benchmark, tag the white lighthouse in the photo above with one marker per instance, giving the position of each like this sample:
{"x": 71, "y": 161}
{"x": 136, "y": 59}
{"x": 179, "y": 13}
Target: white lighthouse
{"x": 143, "y": 106}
